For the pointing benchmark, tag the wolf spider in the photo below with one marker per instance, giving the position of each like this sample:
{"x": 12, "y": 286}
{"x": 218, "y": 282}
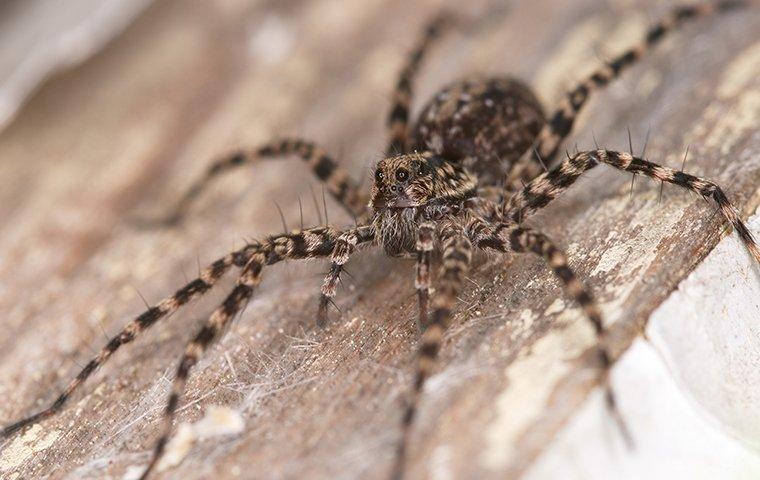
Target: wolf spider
{"x": 480, "y": 159}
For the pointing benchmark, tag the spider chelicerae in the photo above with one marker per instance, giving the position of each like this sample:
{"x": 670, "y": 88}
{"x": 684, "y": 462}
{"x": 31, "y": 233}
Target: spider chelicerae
{"x": 481, "y": 158}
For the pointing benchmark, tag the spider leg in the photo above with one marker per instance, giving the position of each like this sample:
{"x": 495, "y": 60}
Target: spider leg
{"x": 549, "y": 185}
{"x": 484, "y": 206}
{"x": 560, "y": 123}
{"x": 398, "y": 118}
{"x": 425, "y": 239}
{"x": 455, "y": 263}
{"x": 344, "y": 247}
{"x": 509, "y": 237}
{"x": 311, "y": 243}
{"x": 242, "y": 292}
{"x": 339, "y": 183}
{"x": 208, "y": 277}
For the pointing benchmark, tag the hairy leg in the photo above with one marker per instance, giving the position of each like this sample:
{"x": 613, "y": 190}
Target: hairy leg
{"x": 344, "y": 247}
{"x": 242, "y": 292}
{"x": 208, "y": 277}
{"x": 509, "y": 237}
{"x": 398, "y": 118}
{"x": 315, "y": 242}
{"x": 311, "y": 243}
{"x": 338, "y": 182}
{"x": 485, "y": 206}
{"x": 425, "y": 240}
{"x": 457, "y": 251}
{"x": 545, "y": 148}
{"x": 549, "y": 185}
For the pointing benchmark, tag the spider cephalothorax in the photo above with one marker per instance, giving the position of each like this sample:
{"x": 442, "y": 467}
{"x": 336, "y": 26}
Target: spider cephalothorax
{"x": 487, "y": 122}
{"x": 451, "y": 184}
{"x": 412, "y": 188}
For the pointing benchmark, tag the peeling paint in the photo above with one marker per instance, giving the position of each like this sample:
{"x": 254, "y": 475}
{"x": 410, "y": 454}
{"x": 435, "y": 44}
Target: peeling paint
{"x": 708, "y": 332}
{"x": 688, "y": 395}
{"x": 612, "y": 257}
{"x": 557, "y": 306}
{"x": 31, "y": 442}
{"x": 532, "y": 377}
{"x": 527, "y": 317}
{"x": 218, "y": 421}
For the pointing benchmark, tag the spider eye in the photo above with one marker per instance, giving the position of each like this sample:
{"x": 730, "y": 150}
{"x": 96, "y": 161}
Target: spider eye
{"x": 379, "y": 175}
{"x": 401, "y": 175}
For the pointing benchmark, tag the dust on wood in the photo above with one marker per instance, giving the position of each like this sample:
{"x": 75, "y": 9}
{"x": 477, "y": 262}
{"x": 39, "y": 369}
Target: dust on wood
{"x": 126, "y": 132}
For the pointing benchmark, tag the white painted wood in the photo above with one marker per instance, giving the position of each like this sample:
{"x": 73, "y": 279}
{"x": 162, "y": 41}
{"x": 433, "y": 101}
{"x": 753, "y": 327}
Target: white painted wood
{"x": 690, "y": 395}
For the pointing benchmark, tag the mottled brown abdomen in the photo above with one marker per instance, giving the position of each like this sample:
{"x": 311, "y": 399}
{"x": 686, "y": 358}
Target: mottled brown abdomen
{"x": 487, "y": 123}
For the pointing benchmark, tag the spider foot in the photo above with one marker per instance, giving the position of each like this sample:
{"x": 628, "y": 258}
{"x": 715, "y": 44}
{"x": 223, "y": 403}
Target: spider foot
{"x": 610, "y": 400}
{"x": 322, "y": 313}
{"x": 13, "y": 428}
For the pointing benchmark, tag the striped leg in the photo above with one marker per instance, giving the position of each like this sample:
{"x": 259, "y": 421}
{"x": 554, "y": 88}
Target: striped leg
{"x": 561, "y": 121}
{"x": 344, "y": 247}
{"x": 484, "y": 206}
{"x": 169, "y": 305}
{"x": 398, "y": 118}
{"x": 425, "y": 238}
{"x": 549, "y": 185}
{"x": 339, "y": 183}
{"x": 242, "y": 292}
{"x": 312, "y": 243}
{"x": 507, "y": 237}
{"x": 456, "y": 255}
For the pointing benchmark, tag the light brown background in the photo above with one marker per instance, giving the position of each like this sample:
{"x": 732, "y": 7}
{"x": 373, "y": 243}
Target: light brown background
{"x": 122, "y": 135}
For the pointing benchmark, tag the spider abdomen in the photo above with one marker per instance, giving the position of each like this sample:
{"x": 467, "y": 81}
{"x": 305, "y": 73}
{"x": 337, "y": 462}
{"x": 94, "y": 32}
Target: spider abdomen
{"x": 485, "y": 122}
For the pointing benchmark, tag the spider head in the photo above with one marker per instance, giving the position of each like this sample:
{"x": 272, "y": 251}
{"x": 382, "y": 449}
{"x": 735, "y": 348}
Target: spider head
{"x": 404, "y": 186}
{"x": 415, "y": 180}
{"x": 400, "y": 182}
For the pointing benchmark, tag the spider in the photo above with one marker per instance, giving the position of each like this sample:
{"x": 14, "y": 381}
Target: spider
{"x": 480, "y": 159}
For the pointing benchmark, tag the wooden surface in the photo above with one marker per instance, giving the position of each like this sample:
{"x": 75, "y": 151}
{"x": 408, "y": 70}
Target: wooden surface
{"x": 37, "y": 38}
{"x": 121, "y": 137}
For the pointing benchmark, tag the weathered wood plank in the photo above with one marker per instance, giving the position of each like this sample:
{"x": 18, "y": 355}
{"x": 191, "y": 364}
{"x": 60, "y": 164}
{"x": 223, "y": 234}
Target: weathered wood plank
{"x": 125, "y": 133}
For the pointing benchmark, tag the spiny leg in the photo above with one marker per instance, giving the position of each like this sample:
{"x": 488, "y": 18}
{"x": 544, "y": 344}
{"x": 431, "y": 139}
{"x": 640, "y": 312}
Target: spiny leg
{"x": 484, "y": 206}
{"x": 455, "y": 263}
{"x": 339, "y": 183}
{"x": 425, "y": 239}
{"x": 311, "y": 243}
{"x": 398, "y": 118}
{"x": 549, "y": 185}
{"x": 344, "y": 247}
{"x": 208, "y": 277}
{"x": 509, "y": 237}
{"x": 242, "y": 292}
{"x": 561, "y": 121}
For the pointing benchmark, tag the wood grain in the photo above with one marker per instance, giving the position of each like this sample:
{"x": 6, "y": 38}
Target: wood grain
{"x": 121, "y": 136}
